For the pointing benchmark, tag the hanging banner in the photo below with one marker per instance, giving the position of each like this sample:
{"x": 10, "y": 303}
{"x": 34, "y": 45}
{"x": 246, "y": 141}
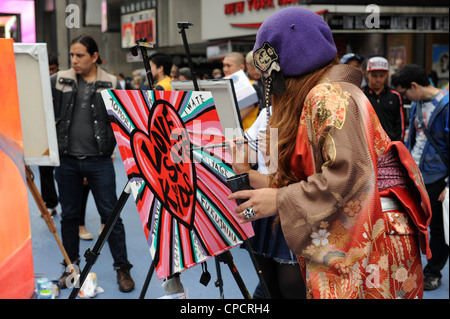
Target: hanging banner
{"x": 181, "y": 194}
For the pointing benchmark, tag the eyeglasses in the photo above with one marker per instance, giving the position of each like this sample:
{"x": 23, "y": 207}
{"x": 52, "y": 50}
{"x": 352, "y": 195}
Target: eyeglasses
{"x": 403, "y": 92}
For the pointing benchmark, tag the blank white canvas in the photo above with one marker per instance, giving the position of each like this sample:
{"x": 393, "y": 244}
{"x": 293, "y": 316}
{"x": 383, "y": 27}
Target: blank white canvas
{"x": 36, "y": 104}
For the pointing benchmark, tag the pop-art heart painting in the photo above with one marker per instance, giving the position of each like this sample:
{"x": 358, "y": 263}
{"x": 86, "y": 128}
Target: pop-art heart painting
{"x": 180, "y": 189}
{"x": 165, "y": 152}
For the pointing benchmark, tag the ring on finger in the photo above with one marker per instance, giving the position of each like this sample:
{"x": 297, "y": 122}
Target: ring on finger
{"x": 249, "y": 213}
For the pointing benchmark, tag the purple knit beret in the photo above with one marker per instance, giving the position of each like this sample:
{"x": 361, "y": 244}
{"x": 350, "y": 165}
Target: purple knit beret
{"x": 299, "y": 38}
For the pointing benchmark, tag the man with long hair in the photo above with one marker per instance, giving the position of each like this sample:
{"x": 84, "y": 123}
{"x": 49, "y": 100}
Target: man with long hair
{"x": 86, "y": 142}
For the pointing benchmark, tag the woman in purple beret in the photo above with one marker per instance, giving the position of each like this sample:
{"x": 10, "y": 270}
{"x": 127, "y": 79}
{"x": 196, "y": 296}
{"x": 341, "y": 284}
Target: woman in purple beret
{"x": 351, "y": 203}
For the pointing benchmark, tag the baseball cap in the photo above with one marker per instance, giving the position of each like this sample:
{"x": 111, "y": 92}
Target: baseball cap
{"x": 377, "y": 63}
{"x": 350, "y": 56}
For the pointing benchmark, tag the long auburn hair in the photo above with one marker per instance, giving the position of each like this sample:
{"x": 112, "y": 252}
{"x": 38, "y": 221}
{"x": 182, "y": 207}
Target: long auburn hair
{"x": 286, "y": 112}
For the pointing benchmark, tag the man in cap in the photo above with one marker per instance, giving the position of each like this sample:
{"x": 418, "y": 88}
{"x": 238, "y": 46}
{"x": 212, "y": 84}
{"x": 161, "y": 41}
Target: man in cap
{"x": 386, "y": 102}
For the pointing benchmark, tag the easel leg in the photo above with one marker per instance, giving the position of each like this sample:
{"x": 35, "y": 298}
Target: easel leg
{"x": 258, "y": 270}
{"x": 227, "y": 258}
{"x": 92, "y": 255}
{"x": 219, "y": 281}
{"x": 147, "y": 281}
{"x": 45, "y": 214}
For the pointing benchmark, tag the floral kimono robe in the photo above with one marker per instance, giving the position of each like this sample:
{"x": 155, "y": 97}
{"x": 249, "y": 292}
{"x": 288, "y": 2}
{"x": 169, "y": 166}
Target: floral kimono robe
{"x": 360, "y": 212}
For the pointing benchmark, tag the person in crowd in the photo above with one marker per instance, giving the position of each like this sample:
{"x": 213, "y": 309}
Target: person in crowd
{"x": 86, "y": 142}
{"x": 160, "y": 66}
{"x": 351, "y": 202}
{"x": 185, "y": 74}
{"x": 232, "y": 63}
{"x": 125, "y": 83}
{"x": 352, "y": 59}
{"x": 48, "y": 188}
{"x": 174, "y": 72}
{"x": 428, "y": 142}
{"x": 82, "y": 230}
{"x": 255, "y": 78}
{"x": 137, "y": 81}
{"x": 217, "y": 74}
{"x": 386, "y": 101}
{"x": 357, "y": 60}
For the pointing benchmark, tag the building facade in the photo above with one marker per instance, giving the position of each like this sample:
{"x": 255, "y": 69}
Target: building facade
{"x": 402, "y": 31}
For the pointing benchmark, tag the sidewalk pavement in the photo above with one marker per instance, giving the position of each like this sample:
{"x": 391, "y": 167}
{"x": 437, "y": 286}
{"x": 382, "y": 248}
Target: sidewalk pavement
{"x": 47, "y": 257}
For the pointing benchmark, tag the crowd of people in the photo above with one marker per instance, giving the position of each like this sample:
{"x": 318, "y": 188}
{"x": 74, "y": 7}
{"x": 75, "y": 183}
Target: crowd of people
{"x": 354, "y": 200}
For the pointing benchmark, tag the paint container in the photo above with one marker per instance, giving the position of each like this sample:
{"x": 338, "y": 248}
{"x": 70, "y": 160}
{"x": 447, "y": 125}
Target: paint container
{"x": 45, "y": 294}
{"x": 40, "y": 282}
{"x": 46, "y": 286}
{"x": 239, "y": 183}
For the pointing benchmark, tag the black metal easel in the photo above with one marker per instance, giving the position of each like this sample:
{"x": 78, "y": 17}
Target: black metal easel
{"x": 142, "y": 44}
{"x": 182, "y": 26}
{"x": 225, "y": 257}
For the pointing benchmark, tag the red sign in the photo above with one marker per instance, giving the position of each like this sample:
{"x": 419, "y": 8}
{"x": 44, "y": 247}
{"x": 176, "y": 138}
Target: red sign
{"x": 144, "y": 29}
{"x": 239, "y": 6}
{"x": 138, "y": 25}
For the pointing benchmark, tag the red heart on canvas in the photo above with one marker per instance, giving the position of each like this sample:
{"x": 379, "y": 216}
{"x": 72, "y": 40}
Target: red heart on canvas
{"x": 165, "y": 161}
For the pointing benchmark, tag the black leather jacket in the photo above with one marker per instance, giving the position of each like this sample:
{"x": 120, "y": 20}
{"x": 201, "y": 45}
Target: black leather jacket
{"x": 64, "y": 90}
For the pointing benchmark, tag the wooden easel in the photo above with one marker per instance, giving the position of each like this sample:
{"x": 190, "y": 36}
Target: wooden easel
{"x": 46, "y": 215}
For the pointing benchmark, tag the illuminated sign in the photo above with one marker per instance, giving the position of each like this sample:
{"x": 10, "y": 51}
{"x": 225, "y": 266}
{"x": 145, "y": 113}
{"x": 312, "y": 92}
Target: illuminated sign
{"x": 138, "y": 20}
{"x": 24, "y": 12}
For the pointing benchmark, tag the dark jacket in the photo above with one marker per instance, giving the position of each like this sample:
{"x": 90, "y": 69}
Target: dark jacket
{"x": 389, "y": 108}
{"x": 64, "y": 90}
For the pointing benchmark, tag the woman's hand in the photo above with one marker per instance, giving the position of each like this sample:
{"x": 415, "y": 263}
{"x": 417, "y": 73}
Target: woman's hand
{"x": 239, "y": 153}
{"x": 262, "y": 201}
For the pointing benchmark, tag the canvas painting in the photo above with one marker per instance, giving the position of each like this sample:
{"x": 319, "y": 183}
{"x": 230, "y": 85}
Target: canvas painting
{"x": 180, "y": 192}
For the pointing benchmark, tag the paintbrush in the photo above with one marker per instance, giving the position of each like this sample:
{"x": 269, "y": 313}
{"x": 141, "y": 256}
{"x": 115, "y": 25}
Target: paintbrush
{"x": 224, "y": 144}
